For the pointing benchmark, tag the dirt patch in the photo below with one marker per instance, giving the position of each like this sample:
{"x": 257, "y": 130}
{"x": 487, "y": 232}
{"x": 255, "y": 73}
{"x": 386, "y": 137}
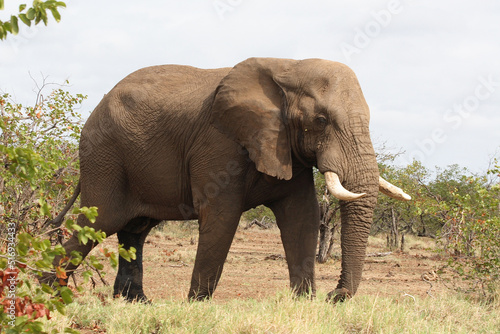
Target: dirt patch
{"x": 256, "y": 268}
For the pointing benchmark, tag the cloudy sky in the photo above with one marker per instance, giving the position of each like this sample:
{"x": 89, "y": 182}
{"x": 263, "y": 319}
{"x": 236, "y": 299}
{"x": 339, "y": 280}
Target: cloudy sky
{"x": 430, "y": 70}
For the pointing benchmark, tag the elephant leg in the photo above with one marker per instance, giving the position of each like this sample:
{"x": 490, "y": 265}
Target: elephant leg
{"x": 128, "y": 282}
{"x": 297, "y": 216}
{"x": 217, "y": 231}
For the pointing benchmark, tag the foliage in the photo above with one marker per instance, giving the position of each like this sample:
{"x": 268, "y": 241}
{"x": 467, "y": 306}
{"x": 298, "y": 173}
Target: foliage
{"x": 462, "y": 210}
{"x": 38, "y": 165}
{"x": 39, "y": 153}
{"x": 259, "y": 213}
{"x": 411, "y": 216}
{"x": 472, "y": 231}
{"x": 36, "y": 13}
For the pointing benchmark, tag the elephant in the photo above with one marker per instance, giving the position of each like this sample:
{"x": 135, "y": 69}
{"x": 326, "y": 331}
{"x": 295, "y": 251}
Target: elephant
{"x": 175, "y": 142}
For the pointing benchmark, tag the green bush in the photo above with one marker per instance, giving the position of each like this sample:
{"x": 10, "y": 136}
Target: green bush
{"x": 472, "y": 232}
{"x": 38, "y": 166}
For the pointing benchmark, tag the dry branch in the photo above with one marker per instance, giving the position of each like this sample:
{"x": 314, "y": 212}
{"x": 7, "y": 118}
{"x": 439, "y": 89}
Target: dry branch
{"x": 378, "y": 254}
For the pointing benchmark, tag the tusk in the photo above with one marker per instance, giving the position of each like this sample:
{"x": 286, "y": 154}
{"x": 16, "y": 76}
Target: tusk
{"x": 336, "y": 189}
{"x": 392, "y": 191}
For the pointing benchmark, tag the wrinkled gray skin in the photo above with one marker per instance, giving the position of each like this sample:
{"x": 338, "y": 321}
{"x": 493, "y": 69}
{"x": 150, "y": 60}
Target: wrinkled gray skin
{"x": 177, "y": 142}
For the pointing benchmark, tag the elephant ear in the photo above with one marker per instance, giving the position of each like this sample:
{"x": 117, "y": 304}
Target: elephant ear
{"x": 247, "y": 107}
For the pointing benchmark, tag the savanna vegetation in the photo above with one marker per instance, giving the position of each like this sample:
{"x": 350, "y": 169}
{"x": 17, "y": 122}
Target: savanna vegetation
{"x": 458, "y": 209}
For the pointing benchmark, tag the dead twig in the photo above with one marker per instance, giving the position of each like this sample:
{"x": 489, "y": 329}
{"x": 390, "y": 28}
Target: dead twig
{"x": 98, "y": 274}
{"x": 182, "y": 264}
{"x": 378, "y": 254}
{"x": 428, "y": 277}
{"x": 265, "y": 223}
{"x": 407, "y": 295}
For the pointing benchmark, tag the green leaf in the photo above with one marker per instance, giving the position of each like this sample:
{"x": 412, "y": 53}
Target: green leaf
{"x": 25, "y": 19}
{"x": 43, "y": 16}
{"x": 69, "y": 224}
{"x": 124, "y": 254}
{"x": 22, "y": 7}
{"x": 113, "y": 259}
{"x": 132, "y": 252}
{"x": 7, "y": 27}
{"x": 56, "y": 14}
{"x": 86, "y": 275}
{"x": 82, "y": 238}
{"x": 61, "y": 308}
{"x": 42, "y": 264}
{"x": 15, "y": 25}
{"x": 44, "y": 207}
{"x": 47, "y": 289}
{"x": 76, "y": 257}
{"x": 22, "y": 249}
{"x": 1, "y": 4}
{"x": 90, "y": 213}
{"x": 76, "y": 227}
{"x": 66, "y": 295}
{"x": 30, "y": 15}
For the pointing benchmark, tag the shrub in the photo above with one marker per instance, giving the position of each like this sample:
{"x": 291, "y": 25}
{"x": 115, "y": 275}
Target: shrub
{"x": 472, "y": 232}
{"x": 38, "y": 165}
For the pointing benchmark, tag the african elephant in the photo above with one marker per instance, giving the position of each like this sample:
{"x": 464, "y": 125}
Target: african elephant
{"x": 177, "y": 142}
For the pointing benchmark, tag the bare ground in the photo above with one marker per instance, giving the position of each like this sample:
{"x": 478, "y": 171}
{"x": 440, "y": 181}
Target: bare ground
{"x": 256, "y": 267}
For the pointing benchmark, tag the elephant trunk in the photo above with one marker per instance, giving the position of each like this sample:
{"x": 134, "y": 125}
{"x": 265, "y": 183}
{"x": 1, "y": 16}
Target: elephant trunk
{"x": 356, "y": 220}
{"x": 361, "y": 177}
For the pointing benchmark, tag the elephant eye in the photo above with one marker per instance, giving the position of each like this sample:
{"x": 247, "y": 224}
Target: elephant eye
{"x": 320, "y": 122}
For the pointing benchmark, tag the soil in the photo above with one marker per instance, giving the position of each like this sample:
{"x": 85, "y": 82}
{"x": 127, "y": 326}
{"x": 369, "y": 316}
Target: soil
{"x": 256, "y": 267}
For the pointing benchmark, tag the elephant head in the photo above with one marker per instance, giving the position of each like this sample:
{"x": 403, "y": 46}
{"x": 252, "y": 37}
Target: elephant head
{"x": 312, "y": 113}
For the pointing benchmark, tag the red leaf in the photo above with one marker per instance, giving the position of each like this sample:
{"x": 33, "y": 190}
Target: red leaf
{"x": 61, "y": 273}
{"x": 41, "y": 311}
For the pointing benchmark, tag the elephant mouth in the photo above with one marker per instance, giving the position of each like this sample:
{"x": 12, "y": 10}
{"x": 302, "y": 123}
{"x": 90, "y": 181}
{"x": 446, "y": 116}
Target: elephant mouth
{"x": 336, "y": 188}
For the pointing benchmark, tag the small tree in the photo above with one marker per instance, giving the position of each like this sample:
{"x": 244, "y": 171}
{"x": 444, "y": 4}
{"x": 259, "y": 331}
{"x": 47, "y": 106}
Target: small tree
{"x": 472, "y": 230}
{"x": 397, "y": 217}
{"x": 38, "y": 163}
{"x": 328, "y": 216}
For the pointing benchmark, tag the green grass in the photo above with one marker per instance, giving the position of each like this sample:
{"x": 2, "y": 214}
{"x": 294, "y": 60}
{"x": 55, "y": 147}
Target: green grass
{"x": 284, "y": 314}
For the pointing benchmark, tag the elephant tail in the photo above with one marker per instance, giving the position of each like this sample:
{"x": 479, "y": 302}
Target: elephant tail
{"x": 56, "y": 222}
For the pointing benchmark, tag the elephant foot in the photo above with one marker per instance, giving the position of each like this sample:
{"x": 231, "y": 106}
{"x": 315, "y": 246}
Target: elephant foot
{"x": 308, "y": 294}
{"x": 131, "y": 292}
{"x": 129, "y": 297}
{"x": 139, "y": 299}
{"x": 199, "y": 296}
{"x": 338, "y": 295}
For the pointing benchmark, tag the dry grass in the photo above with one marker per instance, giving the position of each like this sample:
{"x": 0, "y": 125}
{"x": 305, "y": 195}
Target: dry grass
{"x": 253, "y": 297}
{"x": 282, "y": 314}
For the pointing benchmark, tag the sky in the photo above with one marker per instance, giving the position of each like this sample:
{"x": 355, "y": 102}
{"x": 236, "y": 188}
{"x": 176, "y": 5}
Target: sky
{"x": 429, "y": 70}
